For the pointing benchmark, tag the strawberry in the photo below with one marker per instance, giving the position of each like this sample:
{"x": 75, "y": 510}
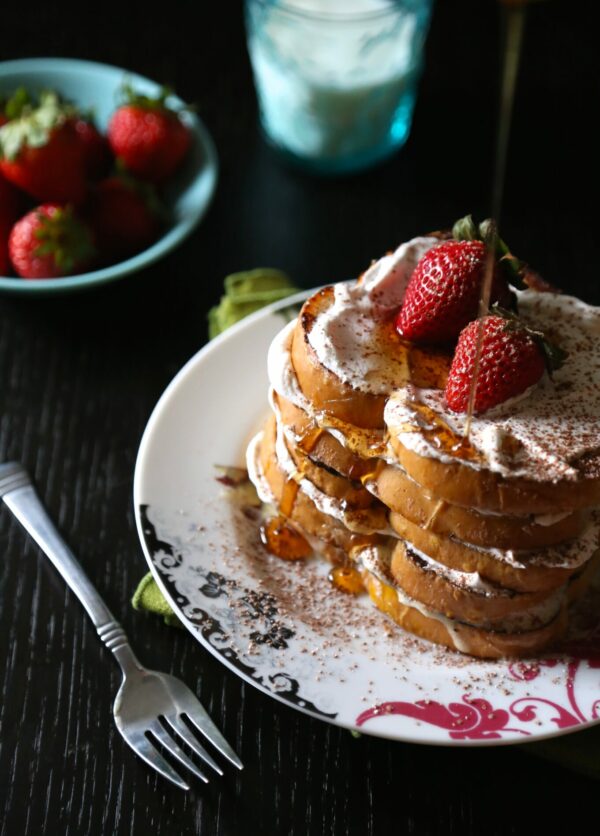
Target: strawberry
{"x": 96, "y": 151}
{"x": 149, "y": 138}
{"x": 124, "y": 216}
{"x": 41, "y": 153}
{"x": 49, "y": 242}
{"x": 443, "y": 292}
{"x": 9, "y": 212}
{"x": 513, "y": 358}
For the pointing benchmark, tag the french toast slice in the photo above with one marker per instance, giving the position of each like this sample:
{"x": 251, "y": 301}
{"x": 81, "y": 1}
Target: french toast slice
{"x": 360, "y": 400}
{"x": 456, "y": 635}
{"x": 486, "y": 490}
{"x": 406, "y": 497}
{"x": 521, "y": 571}
{"x": 464, "y": 595}
{"x": 323, "y": 388}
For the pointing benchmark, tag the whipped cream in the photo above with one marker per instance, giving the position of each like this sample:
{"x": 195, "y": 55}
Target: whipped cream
{"x": 541, "y": 436}
{"x": 255, "y": 471}
{"x": 354, "y": 337}
{"x": 280, "y": 370}
{"x": 386, "y": 280}
{"x": 464, "y": 580}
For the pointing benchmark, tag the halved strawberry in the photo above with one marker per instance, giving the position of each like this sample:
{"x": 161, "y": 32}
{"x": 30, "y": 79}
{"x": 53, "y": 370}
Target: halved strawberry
{"x": 50, "y": 242}
{"x": 513, "y": 358}
{"x": 40, "y": 152}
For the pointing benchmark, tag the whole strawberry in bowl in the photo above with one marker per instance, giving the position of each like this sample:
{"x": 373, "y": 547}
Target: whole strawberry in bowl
{"x": 147, "y": 136}
{"x": 50, "y": 242}
{"x": 68, "y": 104}
{"x": 40, "y": 152}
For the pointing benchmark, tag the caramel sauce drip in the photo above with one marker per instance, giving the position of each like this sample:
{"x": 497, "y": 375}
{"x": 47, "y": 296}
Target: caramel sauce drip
{"x": 308, "y": 440}
{"x": 288, "y": 497}
{"x": 347, "y": 579}
{"x": 372, "y": 474}
{"x": 366, "y": 443}
{"x": 437, "y": 431}
{"x": 429, "y": 367}
{"x": 284, "y": 541}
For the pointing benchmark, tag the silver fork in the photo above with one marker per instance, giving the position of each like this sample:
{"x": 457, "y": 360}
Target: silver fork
{"x": 153, "y": 711}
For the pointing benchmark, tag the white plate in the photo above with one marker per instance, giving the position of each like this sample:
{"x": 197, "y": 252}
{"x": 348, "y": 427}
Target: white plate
{"x": 281, "y": 626}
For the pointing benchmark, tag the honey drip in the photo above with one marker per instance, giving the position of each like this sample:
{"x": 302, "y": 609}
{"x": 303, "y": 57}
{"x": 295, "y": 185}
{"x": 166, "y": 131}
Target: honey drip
{"x": 347, "y": 579}
{"x": 284, "y": 541}
{"x": 436, "y": 430}
{"x": 367, "y": 443}
{"x": 308, "y": 440}
{"x": 372, "y": 474}
{"x": 514, "y": 21}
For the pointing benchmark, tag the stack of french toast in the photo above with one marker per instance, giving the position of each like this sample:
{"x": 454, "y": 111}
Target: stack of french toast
{"x": 448, "y": 463}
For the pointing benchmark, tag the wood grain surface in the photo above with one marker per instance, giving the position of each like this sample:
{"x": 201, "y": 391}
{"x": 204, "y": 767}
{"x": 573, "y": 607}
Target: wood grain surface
{"x": 79, "y": 377}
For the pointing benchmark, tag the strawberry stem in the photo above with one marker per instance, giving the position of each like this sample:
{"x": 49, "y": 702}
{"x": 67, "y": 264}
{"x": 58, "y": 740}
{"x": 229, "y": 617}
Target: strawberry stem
{"x": 466, "y": 229}
{"x": 64, "y": 237}
{"x": 554, "y": 356}
{"x": 129, "y": 96}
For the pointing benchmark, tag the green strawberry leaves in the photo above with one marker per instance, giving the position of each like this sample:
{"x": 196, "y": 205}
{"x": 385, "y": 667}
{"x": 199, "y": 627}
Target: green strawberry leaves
{"x": 554, "y": 356}
{"x": 34, "y": 121}
{"x": 66, "y": 238}
{"x": 517, "y": 272}
{"x": 466, "y": 229}
{"x": 129, "y": 96}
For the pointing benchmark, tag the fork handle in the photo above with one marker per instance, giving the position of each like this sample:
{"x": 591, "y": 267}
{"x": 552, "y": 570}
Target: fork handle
{"x": 21, "y": 498}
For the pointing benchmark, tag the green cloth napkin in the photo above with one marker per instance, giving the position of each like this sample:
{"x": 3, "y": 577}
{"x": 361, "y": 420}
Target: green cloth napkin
{"x": 248, "y": 292}
{"x": 245, "y": 293}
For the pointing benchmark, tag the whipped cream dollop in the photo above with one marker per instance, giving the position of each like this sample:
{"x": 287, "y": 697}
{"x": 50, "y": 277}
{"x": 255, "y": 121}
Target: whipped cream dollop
{"x": 355, "y": 337}
{"x": 538, "y": 437}
{"x": 386, "y": 279}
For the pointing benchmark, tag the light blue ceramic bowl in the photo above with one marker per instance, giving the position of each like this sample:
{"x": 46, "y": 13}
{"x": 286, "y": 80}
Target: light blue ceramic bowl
{"x": 96, "y": 86}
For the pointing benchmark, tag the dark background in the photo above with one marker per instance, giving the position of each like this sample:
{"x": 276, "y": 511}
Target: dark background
{"x": 79, "y": 377}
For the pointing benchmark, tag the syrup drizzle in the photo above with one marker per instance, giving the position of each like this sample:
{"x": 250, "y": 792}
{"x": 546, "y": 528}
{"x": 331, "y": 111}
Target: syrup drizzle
{"x": 283, "y": 541}
{"x": 279, "y": 538}
{"x": 347, "y": 579}
{"x": 514, "y": 22}
{"x": 484, "y": 306}
{"x": 433, "y": 428}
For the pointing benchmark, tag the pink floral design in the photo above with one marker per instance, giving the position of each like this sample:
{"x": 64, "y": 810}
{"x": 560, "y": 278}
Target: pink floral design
{"x": 471, "y": 719}
{"x": 476, "y": 718}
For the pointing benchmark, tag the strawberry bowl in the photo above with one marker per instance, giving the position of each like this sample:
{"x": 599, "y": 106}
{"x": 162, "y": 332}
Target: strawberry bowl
{"x": 96, "y": 88}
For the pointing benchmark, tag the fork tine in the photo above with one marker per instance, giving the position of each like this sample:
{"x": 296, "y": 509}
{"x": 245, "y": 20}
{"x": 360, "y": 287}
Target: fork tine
{"x": 186, "y": 734}
{"x": 201, "y": 721}
{"x": 157, "y": 731}
{"x": 147, "y": 752}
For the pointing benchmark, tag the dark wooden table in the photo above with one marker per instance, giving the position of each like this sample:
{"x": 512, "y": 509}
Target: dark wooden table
{"x": 79, "y": 377}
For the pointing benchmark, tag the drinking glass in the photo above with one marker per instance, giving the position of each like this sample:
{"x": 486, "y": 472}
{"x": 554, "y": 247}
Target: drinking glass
{"x": 336, "y": 80}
